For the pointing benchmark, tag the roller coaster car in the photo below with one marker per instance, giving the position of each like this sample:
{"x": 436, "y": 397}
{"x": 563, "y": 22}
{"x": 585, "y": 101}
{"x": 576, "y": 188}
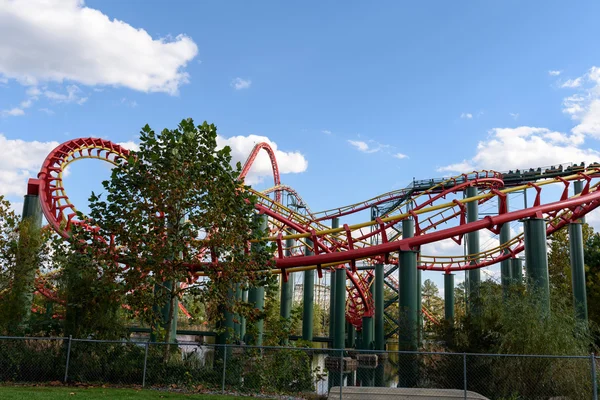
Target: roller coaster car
{"x": 576, "y": 168}
{"x": 553, "y": 169}
{"x": 594, "y": 165}
{"x": 532, "y": 172}
{"x": 511, "y": 176}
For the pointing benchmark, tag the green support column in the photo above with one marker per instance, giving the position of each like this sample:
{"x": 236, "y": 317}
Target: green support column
{"x": 408, "y": 292}
{"x": 256, "y": 298}
{"x": 366, "y": 375}
{"x": 23, "y": 283}
{"x": 449, "y": 298}
{"x": 340, "y": 308}
{"x": 516, "y": 270}
{"x": 309, "y": 297}
{"x": 419, "y": 308}
{"x": 351, "y": 333}
{"x": 287, "y": 291}
{"x": 237, "y": 320}
{"x": 578, "y": 264}
{"x": 407, "y": 336}
{"x": 536, "y": 259}
{"x": 379, "y": 308}
{"x": 335, "y": 223}
{"x": 226, "y": 324}
{"x": 505, "y": 270}
{"x": 243, "y": 322}
{"x": 474, "y": 275}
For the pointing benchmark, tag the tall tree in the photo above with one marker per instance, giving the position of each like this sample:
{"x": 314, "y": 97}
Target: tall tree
{"x": 174, "y": 203}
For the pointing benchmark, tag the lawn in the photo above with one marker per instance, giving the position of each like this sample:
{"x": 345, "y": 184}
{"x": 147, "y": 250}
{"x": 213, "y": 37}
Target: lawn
{"x": 52, "y": 393}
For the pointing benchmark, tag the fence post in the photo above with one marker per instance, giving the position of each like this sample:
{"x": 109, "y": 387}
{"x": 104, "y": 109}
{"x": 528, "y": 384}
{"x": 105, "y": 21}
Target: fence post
{"x": 224, "y": 368}
{"x": 465, "y": 374}
{"x": 145, "y": 364}
{"x": 341, "y": 372}
{"x": 594, "y": 380}
{"x": 68, "y": 357}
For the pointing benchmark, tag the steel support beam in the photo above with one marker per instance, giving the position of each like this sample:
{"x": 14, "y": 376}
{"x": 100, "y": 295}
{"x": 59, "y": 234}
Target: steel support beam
{"x": 516, "y": 267}
{"x": 536, "y": 260}
{"x": 24, "y": 281}
{"x": 335, "y": 223}
{"x": 449, "y": 298}
{"x": 287, "y": 291}
{"x": 309, "y": 297}
{"x": 256, "y": 298}
{"x": 419, "y": 308}
{"x": 505, "y": 270}
{"x": 340, "y": 308}
{"x": 351, "y": 336}
{"x": 473, "y": 275}
{"x": 379, "y": 308}
{"x": 578, "y": 264}
{"x": 408, "y": 292}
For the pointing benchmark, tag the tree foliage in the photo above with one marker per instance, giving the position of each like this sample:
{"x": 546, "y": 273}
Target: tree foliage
{"x": 174, "y": 203}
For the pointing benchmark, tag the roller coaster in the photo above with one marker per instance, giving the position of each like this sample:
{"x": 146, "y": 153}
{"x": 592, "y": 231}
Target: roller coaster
{"x": 307, "y": 240}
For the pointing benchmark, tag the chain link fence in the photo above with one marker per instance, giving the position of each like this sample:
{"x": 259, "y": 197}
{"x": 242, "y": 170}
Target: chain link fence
{"x": 300, "y": 372}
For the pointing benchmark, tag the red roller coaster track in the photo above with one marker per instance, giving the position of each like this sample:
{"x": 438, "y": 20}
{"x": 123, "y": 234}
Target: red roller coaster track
{"x": 335, "y": 247}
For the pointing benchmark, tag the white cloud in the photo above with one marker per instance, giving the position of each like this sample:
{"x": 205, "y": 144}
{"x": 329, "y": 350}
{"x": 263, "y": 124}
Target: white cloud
{"x": 239, "y": 83}
{"x": 325, "y": 131}
{"x": 584, "y": 106}
{"x": 241, "y": 147}
{"x": 525, "y": 147}
{"x": 129, "y": 103}
{"x": 371, "y": 147}
{"x": 12, "y": 112}
{"x": 73, "y": 95}
{"x": 21, "y": 160}
{"x": 466, "y": 116}
{"x": 63, "y": 40}
{"x": 400, "y": 156}
{"x": 572, "y": 83}
{"x": 360, "y": 145}
{"x": 129, "y": 145}
{"x": 554, "y": 72}
{"x": 515, "y": 116}
{"x": 47, "y": 111}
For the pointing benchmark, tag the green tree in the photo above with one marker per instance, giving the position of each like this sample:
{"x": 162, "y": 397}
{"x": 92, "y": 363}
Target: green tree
{"x": 21, "y": 244}
{"x": 174, "y": 203}
{"x": 432, "y": 302}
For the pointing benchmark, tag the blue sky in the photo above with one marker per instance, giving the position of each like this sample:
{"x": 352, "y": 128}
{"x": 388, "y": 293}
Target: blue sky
{"x": 350, "y": 86}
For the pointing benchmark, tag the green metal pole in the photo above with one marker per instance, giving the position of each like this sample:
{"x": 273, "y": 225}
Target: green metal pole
{"x": 474, "y": 275}
{"x": 24, "y": 282}
{"x": 408, "y": 292}
{"x": 578, "y": 264}
{"x": 243, "y": 319}
{"x": 505, "y": 270}
{"x": 226, "y": 324}
{"x": 309, "y": 297}
{"x": 379, "y": 308}
{"x": 351, "y": 333}
{"x": 367, "y": 337}
{"x": 256, "y": 297}
{"x": 449, "y": 298}
{"x": 536, "y": 260}
{"x": 516, "y": 266}
{"x": 287, "y": 291}
{"x": 419, "y": 309}
{"x": 340, "y": 308}
{"x": 407, "y": 336}
{"x": 335, "y": 223}
{"x": 237, "y": 323}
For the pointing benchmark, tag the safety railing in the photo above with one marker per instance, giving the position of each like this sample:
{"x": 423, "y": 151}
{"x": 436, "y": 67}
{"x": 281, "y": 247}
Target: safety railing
{"x": 296, "y": 371}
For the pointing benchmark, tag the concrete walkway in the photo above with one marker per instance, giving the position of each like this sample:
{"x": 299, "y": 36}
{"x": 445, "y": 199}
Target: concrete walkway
{"x": 382, "y": 393}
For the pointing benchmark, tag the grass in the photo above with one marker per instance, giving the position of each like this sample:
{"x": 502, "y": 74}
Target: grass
{"x": 52, "y": 393}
